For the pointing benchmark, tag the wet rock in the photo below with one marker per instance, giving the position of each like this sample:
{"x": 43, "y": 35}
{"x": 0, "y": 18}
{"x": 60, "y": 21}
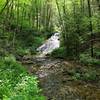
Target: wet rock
{"x": 57, "y": 83}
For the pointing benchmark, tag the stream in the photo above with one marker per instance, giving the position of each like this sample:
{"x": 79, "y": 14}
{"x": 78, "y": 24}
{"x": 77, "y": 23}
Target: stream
{"x": 56, "y": 76}
{"x": 57, "y": 83}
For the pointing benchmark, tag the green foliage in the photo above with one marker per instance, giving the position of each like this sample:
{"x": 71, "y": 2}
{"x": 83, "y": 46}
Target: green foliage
{"x": 36, "y": 43}
{"x": 85, "y": 75}
{"x": 16, "y": 83}
{"x": 59, "y": 53}
{"x": 87, "y": 59}
{"x": 90, "y": 75}
{"x": 75, "y": 22}
{"x": 97, "y": 52}
{"x": 24, "y": 23}
{"x": 22, "y": 51}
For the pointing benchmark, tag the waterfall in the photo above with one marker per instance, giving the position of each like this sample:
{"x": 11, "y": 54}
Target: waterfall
{"x": 52, "y": 43}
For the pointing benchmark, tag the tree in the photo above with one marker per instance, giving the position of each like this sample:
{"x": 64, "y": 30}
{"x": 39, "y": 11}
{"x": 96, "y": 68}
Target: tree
{"x": 91, "y": 27}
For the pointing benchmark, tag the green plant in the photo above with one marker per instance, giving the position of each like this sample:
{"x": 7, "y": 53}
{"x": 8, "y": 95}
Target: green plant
{"x": 16, "y": 83}
{"x": 87, "y": 75}
{"x": 76, "y": 76}
{"x": 59, "y": 53}
{"x": 90, "y": 75}
{"x": 86, "y": 59}
{"x": 22, "y": 51}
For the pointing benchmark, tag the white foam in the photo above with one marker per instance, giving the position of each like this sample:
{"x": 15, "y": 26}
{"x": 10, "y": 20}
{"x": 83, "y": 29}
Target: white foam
{"x": 51, "y": 44}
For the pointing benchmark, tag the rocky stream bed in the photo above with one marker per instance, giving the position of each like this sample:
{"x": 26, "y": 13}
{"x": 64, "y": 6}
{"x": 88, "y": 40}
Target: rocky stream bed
{"x": 58, "y": 81}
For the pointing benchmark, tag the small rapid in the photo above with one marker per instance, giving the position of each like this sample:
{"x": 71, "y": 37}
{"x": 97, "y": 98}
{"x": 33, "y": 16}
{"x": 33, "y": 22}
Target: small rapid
{"x": 51, "y": 44}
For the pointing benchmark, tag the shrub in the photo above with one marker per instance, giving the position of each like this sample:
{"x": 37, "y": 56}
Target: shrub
{"x": 87, "y": 75}
{"x": 59, "y": 53}
{"x": 16, "y": 83}
{"x": 86, "y": 59}
{"x": 22, "y": 51}
{"x": 90, "y": 75}
{"x": 37, "y": 42}
{"x": 97, "y": 52}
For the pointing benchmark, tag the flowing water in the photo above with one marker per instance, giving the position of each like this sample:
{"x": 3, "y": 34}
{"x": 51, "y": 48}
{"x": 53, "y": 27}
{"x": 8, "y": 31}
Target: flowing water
{"x": 56, "y": 79}
{"x": 57, "y": 83}
{"x": 51, "y": 44}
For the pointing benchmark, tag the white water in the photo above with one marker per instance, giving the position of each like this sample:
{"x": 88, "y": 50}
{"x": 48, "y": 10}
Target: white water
{"x": 51, "y": 44}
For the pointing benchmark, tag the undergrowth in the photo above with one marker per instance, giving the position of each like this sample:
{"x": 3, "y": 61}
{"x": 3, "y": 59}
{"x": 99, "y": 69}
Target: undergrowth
{"x": 16, "y": 83}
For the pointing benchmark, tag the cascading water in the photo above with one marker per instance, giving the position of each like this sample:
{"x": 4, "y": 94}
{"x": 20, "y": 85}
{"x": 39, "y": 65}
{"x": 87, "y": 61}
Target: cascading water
{"x": 51, "y": 44}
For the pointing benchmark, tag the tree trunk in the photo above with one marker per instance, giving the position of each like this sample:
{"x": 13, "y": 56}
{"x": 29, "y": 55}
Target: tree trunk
{"x": 91, "y": 28}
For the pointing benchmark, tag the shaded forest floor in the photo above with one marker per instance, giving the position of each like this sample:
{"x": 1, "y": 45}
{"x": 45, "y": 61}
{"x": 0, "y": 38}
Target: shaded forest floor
{"x": 65, "y": 80}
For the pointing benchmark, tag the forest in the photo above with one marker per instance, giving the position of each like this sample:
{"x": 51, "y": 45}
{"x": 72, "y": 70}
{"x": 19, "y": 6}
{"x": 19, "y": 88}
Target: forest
{"x": 49, "y": 49}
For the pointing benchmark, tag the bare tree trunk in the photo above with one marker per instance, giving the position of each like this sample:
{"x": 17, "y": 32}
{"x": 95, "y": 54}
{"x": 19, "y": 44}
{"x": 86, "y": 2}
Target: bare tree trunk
{"x": 91, "y": 28}
{"x": 17, "y": 22}
{"x": 60, "y": 21}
